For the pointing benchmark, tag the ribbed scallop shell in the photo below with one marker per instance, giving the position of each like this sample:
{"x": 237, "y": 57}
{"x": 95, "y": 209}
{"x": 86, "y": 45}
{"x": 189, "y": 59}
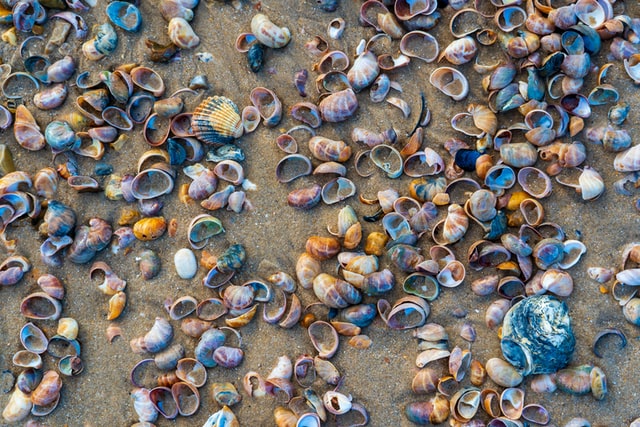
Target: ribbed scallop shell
{"x": 217, "y": 121}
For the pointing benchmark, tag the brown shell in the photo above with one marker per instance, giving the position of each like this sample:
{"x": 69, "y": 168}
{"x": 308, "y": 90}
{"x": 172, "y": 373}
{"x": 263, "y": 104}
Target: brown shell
{"x": 217, "y": 121}
{"x": 322, "y": 248}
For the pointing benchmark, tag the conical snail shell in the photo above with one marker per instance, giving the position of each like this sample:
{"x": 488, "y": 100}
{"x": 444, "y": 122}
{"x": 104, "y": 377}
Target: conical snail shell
{"x": 217, "y": 121}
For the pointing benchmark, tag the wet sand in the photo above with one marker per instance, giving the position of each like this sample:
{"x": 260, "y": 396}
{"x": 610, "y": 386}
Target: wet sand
{"x": 274, "y": 235}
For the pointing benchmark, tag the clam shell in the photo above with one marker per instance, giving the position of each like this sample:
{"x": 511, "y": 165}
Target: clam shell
{"x": 217, "y": 121}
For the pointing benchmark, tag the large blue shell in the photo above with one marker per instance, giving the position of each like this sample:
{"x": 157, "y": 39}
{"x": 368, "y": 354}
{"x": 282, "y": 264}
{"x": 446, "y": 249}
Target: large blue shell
{"x": 536, "y": 335}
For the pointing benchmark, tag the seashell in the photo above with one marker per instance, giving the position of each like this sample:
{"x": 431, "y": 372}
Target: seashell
{"x": 186, "y": 397}
{"x": 116, "y": 305}
{"x": 268, "y": 104}
{"x": 406, "y": 313}
{"x": 125, "y": 15}
{"x": 518, "y": 154}
{"x": 627, "y": 161}
{"x": 338, "y": 106}
{"x": 435, "y": 410}
{"x": 225, "y": 394}
{"x": 575, "y": 380}
{"x": 163, "y": 401}
{"x": 421, "y": 45}
{"x": 67, "y": 328}
{"x": 328, "y": 150}
{"x": 460, "y": 51}
{"x": 40, "y": 305}
{"x": 335, "y": 292}
{"x": 33, "y": 339}
{"x": 48, "y": 390}
{"x": 268, "y": 33}
{"x": 228, "y": 357}
{"x": 380, "y": 88}
{"x": 181, "y": 34}
{"x": 598, "y": 383}
{"x": 632, "y": 65}
{"x": 425, "y": 381}
{"x": 26, "y": 130}
{"x": 451, "y": 82}
{"x": 50, "y": 98}
{"x": 307, "y": 269}
{"x": 143, "y": 406}
{"x": 502, "y": 373}
{"x": 158, "y": 337}
{"x": 102, "y": 44}
{"x": 510, "y": 18}
{"x": 255, "y": 57}
{"x": 250, "y": 118}
{"x": 217, "y": 121}
{"x": 337, "y": 189}
{"x": 139, "y": 107}
{"x": 544, "y": 383}
{"x": 388, "y": 159}
{"x": 51, "y": 285}
{"x": 150, "y": 228}
{"x": 388, "y": 62}
{"x": 545, "y": 345}
{"x": 223, "y": 418}
{"x": 324, "y": 338}
{"x": 364, "y": 71}
{"x": 18, "y": 407}
{"x": 305, "y": 198}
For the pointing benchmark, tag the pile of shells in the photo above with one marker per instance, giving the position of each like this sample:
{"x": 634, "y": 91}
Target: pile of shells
{"x": 310, "y": 408}
{"x": 537, "y": 106}
{"x": 37, "y": 390}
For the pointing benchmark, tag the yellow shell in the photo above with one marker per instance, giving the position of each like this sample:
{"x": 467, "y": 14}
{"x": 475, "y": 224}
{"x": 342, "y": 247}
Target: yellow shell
{"x": 116, "y": 305}
{"x": 217, "y": 121}
{"x": 150, "y": 228}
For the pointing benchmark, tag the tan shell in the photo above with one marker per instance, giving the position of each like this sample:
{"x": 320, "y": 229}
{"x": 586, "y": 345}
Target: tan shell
{"x": 217, "y": 121}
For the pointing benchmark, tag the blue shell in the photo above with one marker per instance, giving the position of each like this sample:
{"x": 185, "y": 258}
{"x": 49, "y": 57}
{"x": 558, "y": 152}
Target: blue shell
{"x": 498, "y": 226}
{"x": 466, "y": 159}
{"x": 124, "y": 15}
{"x": 255, "y": 57}
{"x": 536, "y": 335}
{"x": 360, "y": 315}
{"x": 535, "y": 85}
{"x": 106, "y": 39}
{"x": 60, "y": 136}
{"x": 177, "y": 153}
{"x": 225, "y": 152}
{"x": 209, "y": 341}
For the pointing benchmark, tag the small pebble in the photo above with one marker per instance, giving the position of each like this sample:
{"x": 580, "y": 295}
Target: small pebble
{"x": 186, "y": 263}
{"x": 6, "y": 381}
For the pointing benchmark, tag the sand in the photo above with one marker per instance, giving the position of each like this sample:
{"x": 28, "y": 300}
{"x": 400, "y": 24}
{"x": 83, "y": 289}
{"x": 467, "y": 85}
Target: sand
{"x": 274, "y": 234}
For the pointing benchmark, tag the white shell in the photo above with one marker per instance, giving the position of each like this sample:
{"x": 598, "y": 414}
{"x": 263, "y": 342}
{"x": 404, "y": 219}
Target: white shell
{"x": 186, "y": 263}
{"x": 268, "y": 33}
{"x": 181, "y": 34}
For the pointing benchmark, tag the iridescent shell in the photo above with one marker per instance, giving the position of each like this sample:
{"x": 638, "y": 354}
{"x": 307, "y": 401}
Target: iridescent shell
{"x": 537, "y": 337}
{"x": 217, "y": 121}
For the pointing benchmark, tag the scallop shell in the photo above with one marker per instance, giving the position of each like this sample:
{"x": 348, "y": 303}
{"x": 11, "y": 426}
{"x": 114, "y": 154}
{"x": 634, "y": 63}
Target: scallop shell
{"x": 217, "y": 121}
